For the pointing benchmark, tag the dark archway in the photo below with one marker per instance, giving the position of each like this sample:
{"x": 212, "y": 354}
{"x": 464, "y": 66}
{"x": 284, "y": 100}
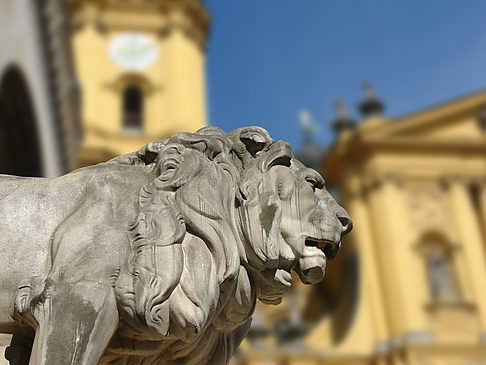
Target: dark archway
{"x": 20, "y": 152}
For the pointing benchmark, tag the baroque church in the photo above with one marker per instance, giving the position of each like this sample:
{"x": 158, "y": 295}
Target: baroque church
{"x": 407, "y": 286}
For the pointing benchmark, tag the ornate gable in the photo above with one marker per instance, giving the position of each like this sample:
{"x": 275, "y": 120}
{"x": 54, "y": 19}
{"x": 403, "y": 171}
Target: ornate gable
{"x": 458, "y": 121}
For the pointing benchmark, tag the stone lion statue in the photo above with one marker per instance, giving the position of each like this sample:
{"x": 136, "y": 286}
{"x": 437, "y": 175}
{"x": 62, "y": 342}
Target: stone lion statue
{"x": 158, "y": 257}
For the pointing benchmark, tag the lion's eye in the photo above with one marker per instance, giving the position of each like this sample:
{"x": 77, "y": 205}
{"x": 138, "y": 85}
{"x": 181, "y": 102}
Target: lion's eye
{"x": 313, "y": 182}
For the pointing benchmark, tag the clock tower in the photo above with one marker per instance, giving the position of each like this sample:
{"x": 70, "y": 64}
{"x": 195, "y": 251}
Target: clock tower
{"x": 141, "y": 67}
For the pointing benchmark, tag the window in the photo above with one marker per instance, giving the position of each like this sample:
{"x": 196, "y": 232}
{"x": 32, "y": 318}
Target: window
{"x": 440, "y": 271}
{"x": 132, "y": 110}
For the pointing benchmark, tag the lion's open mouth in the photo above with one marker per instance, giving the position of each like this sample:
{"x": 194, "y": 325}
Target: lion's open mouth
{"x": 330, "y": 248}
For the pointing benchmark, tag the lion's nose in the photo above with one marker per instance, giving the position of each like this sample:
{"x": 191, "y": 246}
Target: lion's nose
{"x": 345, "y": 220}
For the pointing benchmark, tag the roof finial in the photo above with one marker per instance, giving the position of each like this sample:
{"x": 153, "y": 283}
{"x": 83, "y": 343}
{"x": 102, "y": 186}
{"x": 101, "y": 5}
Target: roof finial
{"x": 369, "y": 91}
{"x": 310, "y": 154}
{"x": 343, "y": 121}
{"x": 371, "y": 105}
{"x": 309, "y": 127}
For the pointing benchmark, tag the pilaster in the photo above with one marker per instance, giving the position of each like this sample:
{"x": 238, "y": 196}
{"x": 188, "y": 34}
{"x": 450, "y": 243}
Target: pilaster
{"x": 482, "y": 203}
{"x": 398, "y": 261}
{"x": 372, "y": 292}
{"x": 467, "y": 223}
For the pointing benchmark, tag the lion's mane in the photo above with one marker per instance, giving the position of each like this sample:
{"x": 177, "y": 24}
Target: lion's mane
{"x": 188, "y": 211}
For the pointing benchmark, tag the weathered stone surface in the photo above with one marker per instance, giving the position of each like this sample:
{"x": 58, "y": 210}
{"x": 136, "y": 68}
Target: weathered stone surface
{"x": 158, "y": 257}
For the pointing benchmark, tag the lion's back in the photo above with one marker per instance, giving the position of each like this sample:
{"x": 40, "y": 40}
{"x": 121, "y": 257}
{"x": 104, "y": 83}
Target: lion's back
{"x": 33, "y": 209}
{"x": 23, "y": 252}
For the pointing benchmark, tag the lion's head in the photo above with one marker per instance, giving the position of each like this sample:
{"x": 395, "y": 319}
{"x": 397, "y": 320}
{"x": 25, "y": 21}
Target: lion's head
{"x": 224, "y": 221}
{"x": 287, "y": 218}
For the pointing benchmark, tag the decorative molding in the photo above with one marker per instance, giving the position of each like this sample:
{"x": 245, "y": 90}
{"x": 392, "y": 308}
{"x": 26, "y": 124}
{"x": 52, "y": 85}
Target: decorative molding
{"x": 382, "y": 347}
{"x": 482, "y": 338}
{"x": 396, "y": 342}
{"x": 411, "y": 338}
{"x": 419, "y": 338}
{"x": 427, "y": 209}
{"x": 374, "y": 180}
{"x": 195, "y": 25}
{"x": 457, "y": 178}
{"x": 133, "y": 78}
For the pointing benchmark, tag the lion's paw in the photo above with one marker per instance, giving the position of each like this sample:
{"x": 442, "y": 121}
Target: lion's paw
{"x": 29, "y": 292}
{"x": 22, "y": 299}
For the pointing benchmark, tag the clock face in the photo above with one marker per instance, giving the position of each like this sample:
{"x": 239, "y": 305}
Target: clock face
{"x": 133, "y": 51}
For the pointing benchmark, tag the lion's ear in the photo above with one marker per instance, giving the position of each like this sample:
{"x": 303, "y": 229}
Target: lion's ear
{"x": 255, "y": 139}
{"x": 149, "y": 152}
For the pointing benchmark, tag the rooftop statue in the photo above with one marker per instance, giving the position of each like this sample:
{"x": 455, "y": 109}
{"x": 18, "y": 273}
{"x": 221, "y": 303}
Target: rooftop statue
{"x": 158, "y": 256}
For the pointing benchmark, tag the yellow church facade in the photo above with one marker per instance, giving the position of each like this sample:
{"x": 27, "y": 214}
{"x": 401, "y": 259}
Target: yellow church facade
{"x": 142, "y": 69}
{"x": 416, "y": 189}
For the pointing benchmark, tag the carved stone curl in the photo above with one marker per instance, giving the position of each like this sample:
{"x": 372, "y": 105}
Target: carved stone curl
{"x": 158, "y": 257}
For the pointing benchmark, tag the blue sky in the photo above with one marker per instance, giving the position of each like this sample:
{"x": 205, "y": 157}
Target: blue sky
{"x": 269, "y": 59}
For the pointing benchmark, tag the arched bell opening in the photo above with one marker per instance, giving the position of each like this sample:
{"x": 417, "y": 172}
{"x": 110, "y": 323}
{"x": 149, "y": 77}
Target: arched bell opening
{"x": 20, "y": 152}
{"x": 132, "y": 109}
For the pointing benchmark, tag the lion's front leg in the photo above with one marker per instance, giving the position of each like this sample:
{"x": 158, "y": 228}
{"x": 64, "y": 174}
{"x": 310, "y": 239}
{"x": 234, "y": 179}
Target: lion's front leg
{"x": 75, "y": 323}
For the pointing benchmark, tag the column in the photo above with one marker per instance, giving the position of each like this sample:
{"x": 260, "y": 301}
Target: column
{"x": 371, "y": 297}
{"x": 482, "y": 202}
{"x": 467, "y": 224}
{"x": 394, "y": 247}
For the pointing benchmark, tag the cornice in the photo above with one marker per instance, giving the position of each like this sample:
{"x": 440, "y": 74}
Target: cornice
{"x": 375, "y": 179}
{"x": 196, "y": 22}
{"x": 463, "y": 179}
{"x": 447, "y": 145}
{"x": 433, "y": 115}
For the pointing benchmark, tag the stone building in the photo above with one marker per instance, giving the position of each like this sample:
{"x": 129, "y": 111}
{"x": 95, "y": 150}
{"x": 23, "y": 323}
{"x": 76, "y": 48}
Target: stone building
{"x": 39, "y": 94}
{"x": 141, "y": 64}
{"x": 408, "y": 286}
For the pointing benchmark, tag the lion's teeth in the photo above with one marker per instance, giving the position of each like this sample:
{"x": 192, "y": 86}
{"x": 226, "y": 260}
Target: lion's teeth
{"x": 283, "y": 277}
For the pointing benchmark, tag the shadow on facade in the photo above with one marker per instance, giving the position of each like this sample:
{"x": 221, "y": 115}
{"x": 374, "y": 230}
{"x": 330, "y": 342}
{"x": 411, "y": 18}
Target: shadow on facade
{"x": 19, "y": 140}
